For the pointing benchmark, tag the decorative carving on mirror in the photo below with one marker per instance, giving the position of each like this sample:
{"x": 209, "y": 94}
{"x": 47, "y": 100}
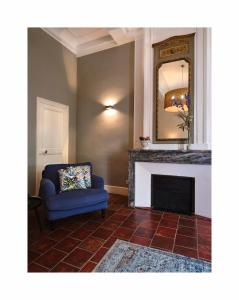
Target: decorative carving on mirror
{"x": 173, "y": 88}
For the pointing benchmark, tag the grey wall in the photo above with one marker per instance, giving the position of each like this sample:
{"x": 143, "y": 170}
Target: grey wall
{"x": 52, "y": 74}
{"x": 105, "y": 139}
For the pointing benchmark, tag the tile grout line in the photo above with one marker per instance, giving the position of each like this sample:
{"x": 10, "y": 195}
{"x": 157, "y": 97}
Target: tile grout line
{"x": 67, "y": 253}
{"x": 60, "y": 240}
{"x": 190, "y": 236}
{"x": 89, "y": 260}
{"x": 197, "y": 238}
{"x": 174, "y": 241}
{"x": 46, "y": 252}
{"x": 40, "y": 266}
{"x": 112, "y": 235}
{"x": 77, "y": 246}
{"x": 150, "y": 245}
{"x": 61, "y": 261}
{"x": 135, "y": 230}
{"x": 146, "y": 228}
{"x": 57, "y": 242}
{"x": 143, "y": 212}
{"x": 102, "y": 246}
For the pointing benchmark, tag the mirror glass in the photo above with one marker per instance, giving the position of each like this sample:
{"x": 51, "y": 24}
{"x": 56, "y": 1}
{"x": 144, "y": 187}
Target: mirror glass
{"x": 172, "y": 95}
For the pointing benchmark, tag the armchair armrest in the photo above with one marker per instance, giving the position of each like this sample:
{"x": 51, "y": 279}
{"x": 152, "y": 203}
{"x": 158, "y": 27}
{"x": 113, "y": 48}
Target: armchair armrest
{"x": 47, "y": 188}
{"x": 97, "y": 182}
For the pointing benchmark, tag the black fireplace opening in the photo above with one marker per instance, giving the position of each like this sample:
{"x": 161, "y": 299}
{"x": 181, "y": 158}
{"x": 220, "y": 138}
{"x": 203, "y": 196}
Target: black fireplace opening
{"x": 173, "y": 193}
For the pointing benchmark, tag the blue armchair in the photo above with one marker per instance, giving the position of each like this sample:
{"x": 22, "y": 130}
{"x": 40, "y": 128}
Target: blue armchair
{"x": 65, "y": 204}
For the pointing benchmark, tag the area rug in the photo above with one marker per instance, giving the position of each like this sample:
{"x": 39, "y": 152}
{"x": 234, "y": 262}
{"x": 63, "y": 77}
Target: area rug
{"x": 128, "y": 257}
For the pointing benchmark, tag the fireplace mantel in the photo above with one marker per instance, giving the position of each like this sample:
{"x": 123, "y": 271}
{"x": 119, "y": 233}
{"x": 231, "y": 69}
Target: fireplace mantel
{"x": 198, "y": 157}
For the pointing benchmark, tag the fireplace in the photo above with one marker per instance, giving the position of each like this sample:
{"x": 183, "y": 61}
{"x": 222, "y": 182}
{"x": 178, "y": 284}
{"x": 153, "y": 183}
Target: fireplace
{"x": 173, "y": 193}
{"x": 192, "y": 163}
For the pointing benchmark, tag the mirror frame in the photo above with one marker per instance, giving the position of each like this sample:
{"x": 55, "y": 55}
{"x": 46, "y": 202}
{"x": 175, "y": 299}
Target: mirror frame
{"x": 173, "y": 49}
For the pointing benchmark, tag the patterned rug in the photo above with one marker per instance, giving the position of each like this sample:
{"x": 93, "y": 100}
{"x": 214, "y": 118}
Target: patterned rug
{"x": 128, "y": 257}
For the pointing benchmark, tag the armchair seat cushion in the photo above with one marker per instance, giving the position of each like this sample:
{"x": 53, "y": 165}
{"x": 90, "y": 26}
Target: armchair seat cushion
{"x": 76, "y": 199}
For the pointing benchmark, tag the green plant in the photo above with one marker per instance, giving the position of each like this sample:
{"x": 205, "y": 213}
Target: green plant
{"x": 186, "y": 124}
{"x": 187, "y": 120}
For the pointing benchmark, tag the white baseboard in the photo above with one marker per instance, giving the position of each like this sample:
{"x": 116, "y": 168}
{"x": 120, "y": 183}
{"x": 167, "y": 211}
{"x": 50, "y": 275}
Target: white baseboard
{"x": 117, "y": 190}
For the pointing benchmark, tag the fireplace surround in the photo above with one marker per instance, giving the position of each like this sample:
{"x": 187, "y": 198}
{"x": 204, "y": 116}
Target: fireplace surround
{"x": 192, "y": 163}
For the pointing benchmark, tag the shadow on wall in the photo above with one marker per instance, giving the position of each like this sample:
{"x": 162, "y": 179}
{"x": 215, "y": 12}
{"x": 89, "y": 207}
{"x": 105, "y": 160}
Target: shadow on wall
{"x": 113, "y": 146}
{"x": 104, "y": 137}
{"x": 70, "y": 72}
{"x": 117, "y": 166}
{"x": 106, "y": 143}
{"x": 52, "y": 71}
{"x": 120, "y": 139}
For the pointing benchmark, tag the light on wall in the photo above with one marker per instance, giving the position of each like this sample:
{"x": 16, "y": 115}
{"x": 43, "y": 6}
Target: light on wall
{"x": 109, "y": 110}
{"x": 109, "y": 106}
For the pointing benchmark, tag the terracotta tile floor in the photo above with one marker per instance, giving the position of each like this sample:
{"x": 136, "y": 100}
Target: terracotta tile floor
{"x": 78, "y": 243}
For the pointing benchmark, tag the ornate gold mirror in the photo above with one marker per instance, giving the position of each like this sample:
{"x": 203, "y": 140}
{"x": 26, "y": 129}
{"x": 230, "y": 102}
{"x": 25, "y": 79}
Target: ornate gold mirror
{"x": 173, "y": 89}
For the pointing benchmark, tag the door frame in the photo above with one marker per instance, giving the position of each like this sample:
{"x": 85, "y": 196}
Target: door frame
{"x": 65, "y": 108}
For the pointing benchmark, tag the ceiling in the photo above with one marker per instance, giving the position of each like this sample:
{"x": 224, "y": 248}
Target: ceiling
{"x": 84, "y": 41}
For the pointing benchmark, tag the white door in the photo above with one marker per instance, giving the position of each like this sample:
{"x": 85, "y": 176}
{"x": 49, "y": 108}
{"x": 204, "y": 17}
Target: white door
{"x": 52, "y": 135}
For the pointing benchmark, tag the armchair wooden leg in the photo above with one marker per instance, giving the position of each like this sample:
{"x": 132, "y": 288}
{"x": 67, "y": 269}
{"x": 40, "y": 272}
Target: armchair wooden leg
{"x": 51, "y": 225}
{"x": 103, "y": 213}
{"x": 38, "y": 218}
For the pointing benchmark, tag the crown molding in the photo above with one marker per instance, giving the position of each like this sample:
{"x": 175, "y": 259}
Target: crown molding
{"x": 114, "y": 37}
{"x": 66, "y": 44}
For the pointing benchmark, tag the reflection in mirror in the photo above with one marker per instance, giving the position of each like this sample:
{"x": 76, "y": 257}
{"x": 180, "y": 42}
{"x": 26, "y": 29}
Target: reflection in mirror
{"x": 173, "y": 87}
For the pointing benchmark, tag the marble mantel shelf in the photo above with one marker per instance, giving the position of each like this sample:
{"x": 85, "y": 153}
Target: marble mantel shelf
{"x": 200, "y": 157}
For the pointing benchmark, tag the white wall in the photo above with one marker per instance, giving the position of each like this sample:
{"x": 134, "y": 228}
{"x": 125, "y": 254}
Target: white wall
{"x": 138, "y": 88}
{"x": 143, "y": 123}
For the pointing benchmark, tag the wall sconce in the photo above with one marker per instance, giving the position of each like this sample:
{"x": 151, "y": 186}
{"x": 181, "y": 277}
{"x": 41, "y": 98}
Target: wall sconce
{"x": 109, "y": 110}
{"x": 108, "y": 107}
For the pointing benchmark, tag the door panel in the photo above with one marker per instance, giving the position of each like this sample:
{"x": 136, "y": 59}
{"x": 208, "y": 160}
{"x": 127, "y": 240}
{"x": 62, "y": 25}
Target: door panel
{"x": 52, "y": 135}
{"x": 54, "y": 120}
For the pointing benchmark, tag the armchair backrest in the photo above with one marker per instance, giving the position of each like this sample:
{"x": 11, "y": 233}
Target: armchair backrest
{"x": 51, "y": 172}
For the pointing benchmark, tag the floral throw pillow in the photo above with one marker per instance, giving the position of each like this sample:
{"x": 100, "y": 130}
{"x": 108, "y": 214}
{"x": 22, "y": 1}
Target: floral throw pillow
{"x": 71, "y": 178}
{"x": 86, "y": 173}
